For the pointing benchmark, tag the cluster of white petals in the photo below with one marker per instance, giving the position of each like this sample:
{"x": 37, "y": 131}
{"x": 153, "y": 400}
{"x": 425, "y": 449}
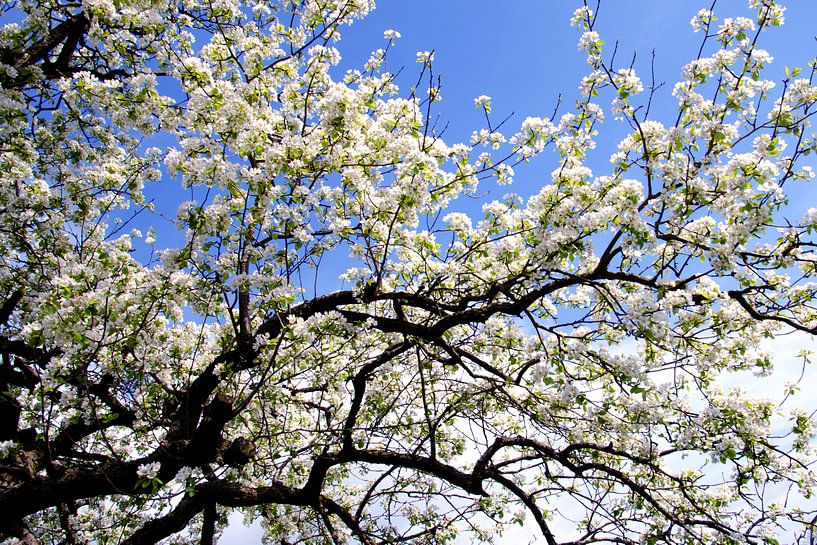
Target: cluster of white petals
{"x": 237, "y": 274}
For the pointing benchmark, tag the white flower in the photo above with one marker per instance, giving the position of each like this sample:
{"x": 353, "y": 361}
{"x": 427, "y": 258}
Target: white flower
{"x": 184, "y": 474}
{"x": 425, "y": 56}
{"x": 391, "y": 35}
{"x": 458, "y": 221}
{"x": 701, "y": 20}
{"x": 483, "y": 102}
{"x": 580, "y": 15}
{"x": 6, "y": 447}
{"x": 628, "y": 82}
{"x": 810, "y": 217}
{"x": 568, "y": 393}
{"x": 590, "y": 42}
{"x": 504, "y": 174}
{"x": 148, "y": 471}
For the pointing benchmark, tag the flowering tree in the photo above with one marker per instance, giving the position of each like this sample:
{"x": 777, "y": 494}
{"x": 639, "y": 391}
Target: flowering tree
{"x": 558, "y": 362}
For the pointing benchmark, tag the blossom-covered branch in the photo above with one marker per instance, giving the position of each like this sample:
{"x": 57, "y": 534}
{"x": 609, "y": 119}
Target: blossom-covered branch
{"x": 322, "y": 343}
